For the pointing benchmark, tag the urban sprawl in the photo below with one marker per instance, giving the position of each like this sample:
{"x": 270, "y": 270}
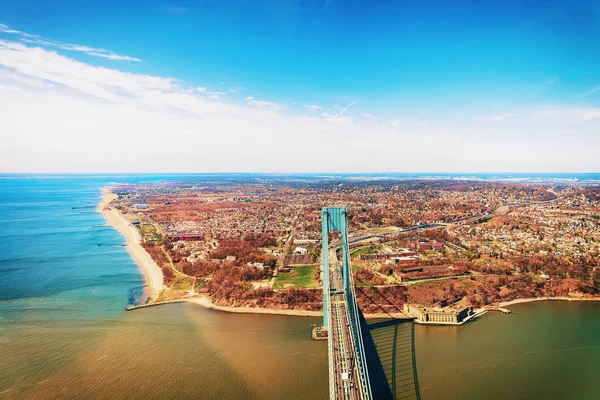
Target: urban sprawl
{"x": 445, "y": 246}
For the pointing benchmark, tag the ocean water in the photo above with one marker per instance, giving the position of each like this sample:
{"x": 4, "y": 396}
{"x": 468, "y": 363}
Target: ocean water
{"x": 64, "y": 333}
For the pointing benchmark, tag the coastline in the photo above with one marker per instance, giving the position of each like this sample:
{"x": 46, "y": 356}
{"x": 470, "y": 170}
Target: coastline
{"x": 151, "y": 271}
{"x": 559, "y": 298}
{"x": 206, "y": 302}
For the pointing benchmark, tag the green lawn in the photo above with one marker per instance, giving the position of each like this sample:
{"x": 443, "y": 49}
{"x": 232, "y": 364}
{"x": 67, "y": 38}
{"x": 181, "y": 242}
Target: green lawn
{"x": 177, "y": 289}
{"x": 149, "y": 233}
{"x": 303, "y": 276}
{"x": 364, "y": 250}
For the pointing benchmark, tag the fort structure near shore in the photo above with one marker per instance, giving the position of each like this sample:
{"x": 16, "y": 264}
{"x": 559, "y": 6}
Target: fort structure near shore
{"x": 438, "y": 315}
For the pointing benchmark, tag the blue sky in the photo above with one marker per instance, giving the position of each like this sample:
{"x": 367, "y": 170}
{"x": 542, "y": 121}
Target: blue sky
{"x": 441, "y": 67}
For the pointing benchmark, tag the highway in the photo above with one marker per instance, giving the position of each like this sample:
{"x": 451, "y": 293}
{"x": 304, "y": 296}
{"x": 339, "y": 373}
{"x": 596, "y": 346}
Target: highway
{"x": 352, "y": 241}
{"x": 346, "y": 374}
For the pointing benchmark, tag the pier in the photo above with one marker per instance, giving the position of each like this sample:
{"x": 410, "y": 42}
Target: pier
{"x": 155, "y": 303}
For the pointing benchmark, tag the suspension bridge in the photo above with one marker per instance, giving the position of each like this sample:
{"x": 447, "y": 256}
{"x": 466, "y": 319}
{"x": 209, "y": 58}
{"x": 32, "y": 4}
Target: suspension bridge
{"x": 349, "y": 359}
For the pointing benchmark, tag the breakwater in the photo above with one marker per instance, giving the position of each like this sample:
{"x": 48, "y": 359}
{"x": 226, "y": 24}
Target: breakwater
{"x": 154, "y": 303}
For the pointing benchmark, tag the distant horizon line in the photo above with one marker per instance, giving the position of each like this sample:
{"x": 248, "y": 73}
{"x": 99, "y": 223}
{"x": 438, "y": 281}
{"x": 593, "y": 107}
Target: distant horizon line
{"x": 306, "y": 173}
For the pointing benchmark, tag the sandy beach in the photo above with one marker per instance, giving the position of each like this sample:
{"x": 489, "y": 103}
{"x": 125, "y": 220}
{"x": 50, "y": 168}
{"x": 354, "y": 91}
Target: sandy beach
{"x": 152, "y": 272}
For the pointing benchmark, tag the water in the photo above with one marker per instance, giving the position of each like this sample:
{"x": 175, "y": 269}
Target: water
{"x": 543, "y": 350}
{"x": 64, "y": 332}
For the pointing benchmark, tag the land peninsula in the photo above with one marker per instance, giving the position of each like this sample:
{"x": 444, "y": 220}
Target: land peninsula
{"x": 255, "y": 246}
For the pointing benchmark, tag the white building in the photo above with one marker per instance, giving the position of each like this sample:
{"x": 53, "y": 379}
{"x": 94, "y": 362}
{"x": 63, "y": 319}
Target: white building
{"x": 301, "y": 250}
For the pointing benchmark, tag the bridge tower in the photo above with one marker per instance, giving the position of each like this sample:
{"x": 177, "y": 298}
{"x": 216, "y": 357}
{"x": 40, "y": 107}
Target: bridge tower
{"x": 333, "y": 219}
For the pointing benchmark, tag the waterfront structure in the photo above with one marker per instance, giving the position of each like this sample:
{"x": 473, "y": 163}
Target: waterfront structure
{"x": 436, "y": 315}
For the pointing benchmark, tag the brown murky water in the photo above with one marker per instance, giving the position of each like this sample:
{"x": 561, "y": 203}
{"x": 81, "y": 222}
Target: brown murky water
{"x": 547, "y": 350}
{"x": 178, "y": 351}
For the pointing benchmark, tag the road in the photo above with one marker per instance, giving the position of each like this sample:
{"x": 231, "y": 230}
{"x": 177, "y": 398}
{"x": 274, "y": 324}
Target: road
{"x": 346, "y": 375}
{"x": 357, "y": 239}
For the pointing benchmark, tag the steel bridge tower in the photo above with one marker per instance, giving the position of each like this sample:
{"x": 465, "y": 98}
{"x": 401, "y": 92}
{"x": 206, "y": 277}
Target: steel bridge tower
{"x": 333, "y": 219}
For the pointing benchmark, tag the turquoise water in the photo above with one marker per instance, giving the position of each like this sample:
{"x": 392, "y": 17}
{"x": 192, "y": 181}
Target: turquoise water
{"x": 64, "y": 332}
{"x": 51, "y": 249}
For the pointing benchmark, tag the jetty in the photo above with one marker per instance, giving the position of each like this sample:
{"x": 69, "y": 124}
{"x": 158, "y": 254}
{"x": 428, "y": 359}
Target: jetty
{"x": 502, "y": 310}
{"x": 155, "y": 303}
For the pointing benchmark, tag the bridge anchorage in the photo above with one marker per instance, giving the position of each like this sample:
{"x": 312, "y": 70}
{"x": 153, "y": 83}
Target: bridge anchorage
{"x": 348, "y": 373}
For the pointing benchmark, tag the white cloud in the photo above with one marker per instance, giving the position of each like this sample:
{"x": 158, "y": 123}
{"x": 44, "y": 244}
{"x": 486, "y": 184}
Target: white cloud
{"x": 543, "y": 114}
{"x": 588, "y": 115}
{"x": 41, "y": 41}
{"x": 59, "y": 114}
{"x": 368, "y": 116}
{"x": 498, "y": 117}
{"x": 567, "y": 115}
{"x": 212, "y": 93}
{"x": 101, "y": 82}
{"x": 313, "y": 107}
{"x": 7, "y": 29}
{"x": 264, "y": 104}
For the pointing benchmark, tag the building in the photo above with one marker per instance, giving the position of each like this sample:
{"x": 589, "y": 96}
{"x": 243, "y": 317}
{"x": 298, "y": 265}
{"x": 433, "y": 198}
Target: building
{"x": 141, "y": 206}
{"x": 257, "y": 265}
{"x": 305, "y": 241}
{"x": 298, "y": 259}
{"x": 301, "y": 250}
{"x": 427, "y": 245}
{"x": 385, "y": 256}
{"x": 436, "y": 315}
{"x": 404, "y": 260}
{"x": 287, "y": 268}
{"x": 186, "y": 237}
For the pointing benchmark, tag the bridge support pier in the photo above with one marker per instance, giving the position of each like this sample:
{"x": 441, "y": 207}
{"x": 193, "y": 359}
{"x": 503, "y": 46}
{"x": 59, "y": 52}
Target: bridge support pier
{"x": 319, "y": 333}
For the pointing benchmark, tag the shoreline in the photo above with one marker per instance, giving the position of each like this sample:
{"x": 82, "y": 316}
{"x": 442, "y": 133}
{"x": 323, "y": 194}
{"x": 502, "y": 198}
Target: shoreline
{"x": 151, "y": 271}
{"x": 558, "y": 298}
{"x": 206, "y": 302}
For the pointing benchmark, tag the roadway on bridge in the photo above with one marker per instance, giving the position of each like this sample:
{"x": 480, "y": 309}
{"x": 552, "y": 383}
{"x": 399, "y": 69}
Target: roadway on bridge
{"x": 346, "y": 372}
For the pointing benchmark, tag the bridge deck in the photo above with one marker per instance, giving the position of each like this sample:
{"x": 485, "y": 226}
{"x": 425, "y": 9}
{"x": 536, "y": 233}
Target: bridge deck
{"x": 349, "y": 376}
{"x": 346, "y": 368}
